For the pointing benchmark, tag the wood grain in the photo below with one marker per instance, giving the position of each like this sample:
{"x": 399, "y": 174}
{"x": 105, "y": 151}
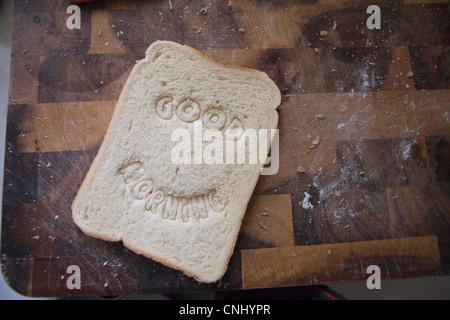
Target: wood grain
{"x": 364, "y": 139}
{"x": 338, "y": 262}
{"x": 52, "y": 127}
{"x": 267, "y": 223}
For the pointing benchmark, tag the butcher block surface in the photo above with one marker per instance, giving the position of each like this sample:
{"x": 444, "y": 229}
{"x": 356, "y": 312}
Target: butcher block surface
{"x": 364, "y": 136}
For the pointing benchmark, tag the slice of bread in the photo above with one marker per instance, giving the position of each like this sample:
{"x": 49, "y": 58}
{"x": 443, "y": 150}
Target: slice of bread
{"x": 186, "y": 215}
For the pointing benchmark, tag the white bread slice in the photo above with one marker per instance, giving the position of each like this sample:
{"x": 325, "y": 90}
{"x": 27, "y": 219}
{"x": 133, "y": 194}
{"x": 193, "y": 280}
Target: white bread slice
{"x": 185, "y": 216}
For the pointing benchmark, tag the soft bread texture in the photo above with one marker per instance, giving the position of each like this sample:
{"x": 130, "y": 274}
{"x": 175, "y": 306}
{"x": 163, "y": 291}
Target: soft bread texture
{"x": 185, "y": 216}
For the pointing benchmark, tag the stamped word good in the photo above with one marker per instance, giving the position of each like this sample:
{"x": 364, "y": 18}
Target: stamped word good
{"x": 189, "y": 110}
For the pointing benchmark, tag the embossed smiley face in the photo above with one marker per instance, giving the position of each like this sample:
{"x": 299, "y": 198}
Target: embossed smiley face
{"x": 168, "y": 198}
{"x": 184, "y": 214}
{"x": 189, "y": 110}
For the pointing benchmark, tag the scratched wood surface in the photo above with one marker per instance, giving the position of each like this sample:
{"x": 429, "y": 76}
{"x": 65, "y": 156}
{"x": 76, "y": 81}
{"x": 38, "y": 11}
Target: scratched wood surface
{"x": 364, "y": 139}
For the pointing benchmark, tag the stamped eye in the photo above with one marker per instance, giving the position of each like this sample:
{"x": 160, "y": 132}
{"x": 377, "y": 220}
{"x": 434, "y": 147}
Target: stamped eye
{"x": 235, "y": 130}
{"x": 214, "y": 119}
{"x": 164, "y": 108}
{"x": 188, "y": 111}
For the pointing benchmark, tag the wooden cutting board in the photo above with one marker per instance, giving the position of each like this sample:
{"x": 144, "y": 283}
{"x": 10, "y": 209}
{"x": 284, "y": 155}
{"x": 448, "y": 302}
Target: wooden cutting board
{"x": 364, "y": 139}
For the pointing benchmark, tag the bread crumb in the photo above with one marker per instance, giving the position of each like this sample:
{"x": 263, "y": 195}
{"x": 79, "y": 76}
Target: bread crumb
{"x": 204, "y": 10}
{"x": 35, "y": 238}
{"x": 223, "y": 284}
{"x": 410, "y": 74}
{"x": 334, "y": 25}
{"x": 320, "y": 116}
{"x": 317, "y": 50}
{"x": 301, "y": 169}
{"x": 315, "y": 143}
{"x": 323, "y": 33}
{"x": 261, "y": 224}
{"x": 241, "y": 30}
